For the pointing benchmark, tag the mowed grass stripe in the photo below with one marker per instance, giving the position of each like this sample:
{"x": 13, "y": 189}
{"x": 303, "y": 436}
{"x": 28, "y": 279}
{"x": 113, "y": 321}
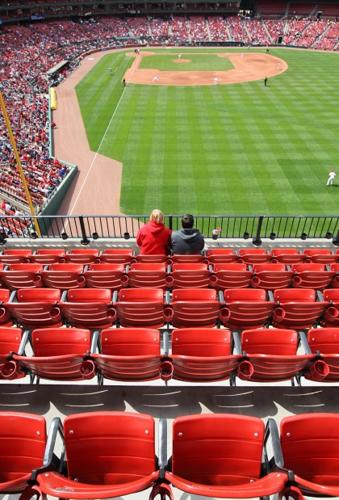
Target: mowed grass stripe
{"x": 225, "y": 149}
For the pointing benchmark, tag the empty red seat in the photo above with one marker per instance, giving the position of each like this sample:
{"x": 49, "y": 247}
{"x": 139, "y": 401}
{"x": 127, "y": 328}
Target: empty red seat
{"x": 311, "y": 276}
{"x": 130, "y": 354}
{"x": 4, "y": 313}
{"x": 319, "y": 255}
{"x": 221, "y": 456}
{"x": 286, "y": 255}
{"x": 187, "y": 259}
{"x": 194, "y": 307}
{"x": 117, "y": 255}
{"x": 10, "y": 339}
{"x": 59, "y": 354}
{"x": 155, "y": 259}
{"x": 110, "y": 276}
{"x": 254, "y": 255}
{"x": 189, "y": 275}
{"x": 232, "y": 275}
{"x": 48, "y": 255}
{"x": 147, "y": 274}
{"x": 64, "y": 276}
{"x": 296, "y": 308}
{"x": 335, "y": 281}
{"x": 220, "y": 255}
{"x": 22, "y": 276}
{"x": 203, "y": 354}
{"x": 141, "y": 307}
{"x": 15, "y": 255}
{"x": 271, "y": 276}
{"x": 310, "y": 446}
{"x": 271, "y": 355}
{"x": 325, "y": 343}
{"x": 89, "y": 308}
{"x": 109, "y": 454}
{"x": 36, "y": 307}
{"x": 22, "y": 444}
{"x": 245, "y": 308}
{"x": 82, "y": 255}
{"x": 331, "y": 297}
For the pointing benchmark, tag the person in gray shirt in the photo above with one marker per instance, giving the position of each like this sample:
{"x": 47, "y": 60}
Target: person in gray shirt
{"x": 187, "y": 240}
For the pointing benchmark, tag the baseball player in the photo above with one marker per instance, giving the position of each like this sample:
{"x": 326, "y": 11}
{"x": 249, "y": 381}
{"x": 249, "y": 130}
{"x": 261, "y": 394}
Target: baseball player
{"x": 331, "y": 177}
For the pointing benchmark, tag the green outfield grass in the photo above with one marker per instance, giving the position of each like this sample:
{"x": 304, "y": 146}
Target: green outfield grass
{"x": 230, "y": 149}
{"x": 197, "y": 62}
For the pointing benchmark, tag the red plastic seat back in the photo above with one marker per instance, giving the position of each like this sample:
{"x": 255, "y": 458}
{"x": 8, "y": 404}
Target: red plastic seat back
{"x": 141, "y": 295}
{"x": 36, "y": 307}
{"x": 195, "y": 307}
{"x": 60, "y": 341}
{"x": 4, "y": 295}
{"x": 324, "y": 340}
{"x": 204, "y": 342}
{"x": 109, "y": 447}
{"x": 105, "y": 276}
{"x": 322, "y": 255}
{"x": 48, "y": 255}
{"x": 151, "y": 258}
{"x": 271, "y": 276}
{"x": 117, "y": 255}
{"x": 147, "y": 274}
{"x": 294, "y": 295}
{"x": 310, "y": 445}
{"x": 331, "y": 295}
{"x": 141, "y": 307}
{"x": 311, "y": 276}
{"x": 253, "y": 255}
{"x": 286, "y": 255}
{"x": 82, "y": 255}
{"x": 244, "y": 295}
{"x": 12, "y": 255}
{"x": 186, "y": 259}
{"x": 231, "y": 275}
{"x": 10, "y": 339}
{"x": 269, "y": 268}
{"x": 220, "y": 255}
{"x": 217, "y": 449}
{"x": 130, "y": 342}
{"x": 270, "y": 341}
{"x": 22, "y": 444}
{"x": 22, "y": 276}
{"x": 190, "y": 275}
{"x": 81, "y": 295}
{"x": 194, "y": 295}
{"x": 50, "y": 295}
{"x": 64, "y": 276}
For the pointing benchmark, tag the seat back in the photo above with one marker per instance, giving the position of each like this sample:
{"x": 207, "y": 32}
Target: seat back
{"x": 82, "y": 255}
{"x": 310, "y": 445}
{"x": 48, "y": 255}
{"x": 64, "y": 276}
{"x": 195, "y": 307}
{"x": 117, "y": 255}
{"x": 60, "y": 341}
{"x": 246, "y": 308}
{"x": 248, "y": 295}
{"x": 105, "y": 276}
{"x": 141, "y": 307}
{"x": 326, "y": 342}
{"x": 232, "y": 275}
{"x": 220, "y": 255}
{"x": 141, "y": 295}
{"x": 331, "y": 295}
{"x": 286, "y": 255}
{"x": 254, "y": 255}
{"x": 89, "y": 308}
{"x": 22, "y": 276}
{"x": 109, "y": 447}
{"x": 270, "y": 341}
{"x": 84, "y": 295}
{"x": 294, "y": 295}
{"x": 36, "y": 310}
{"x": 217, "y": 449}
{"x": 193, "y": 295}
{"x": 190, "y": 275}
{"x": 321, "y": 255}
{"x": 22, "y": 444}
{"x": 271, "y": 276}
{"x": 49, "y": 295}
{"x": 10, "y": 339}
{"x": 15, "y": 255}
{"x": 147, "y": 274}
{"x": 187, "y": 259}
{"x": 311, "y": 276}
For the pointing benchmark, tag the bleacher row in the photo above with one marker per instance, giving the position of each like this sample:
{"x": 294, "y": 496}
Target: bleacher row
{"x": 109, "y": 454}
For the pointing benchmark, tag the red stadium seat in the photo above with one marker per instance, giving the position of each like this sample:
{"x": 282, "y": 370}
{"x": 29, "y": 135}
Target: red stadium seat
{"x": 335, "y": 281}
{"x": 89, "y": 308}
{"x": 331, "y": 297}
{"x": 36, "y": 307}
{"x": 22, "y": 443}
{"x": 64, "y": 276}
{"x": 10, "y": 339}
{"x": 319, "y": 255}
{"x": 271, "y": 276}
{"x": 203, "y": 354}
{"x": 187, "y": 259}
{"x": 296, "y": 308}
{"x": 286, "y": 255}
{"x": 4, "y": 313}
{"x": 232, "y": 275}
{"x": 109, "y": 454}
{"x": 271, "y": 355}
{"x": 311, "y": 276}
{"x": 110, "y": 276}
{"x": 221, "y": 255}
{"x": 325, "y": 343}
{"x": 48, "y": 255}
{"x": 310, "y": 445}
{"x": 117, "y": 255}
{"x": 82, "y": 255}
{"x": 144, "y": 274}
{"x": 245, "y": 308}
{"x": 22, "y": 276}
{"x": 194, "y": 307}
{"x": 141, "y": 307}
{"x": 59, "y": 354}
{"x": 254, "y": 255}
{"x": 148, "y": 259}
{"x": 130, "y": 354}
{"x": 15, "y": 255}
{"x": 190, "y": 275}
{"x": 221, "y": 456}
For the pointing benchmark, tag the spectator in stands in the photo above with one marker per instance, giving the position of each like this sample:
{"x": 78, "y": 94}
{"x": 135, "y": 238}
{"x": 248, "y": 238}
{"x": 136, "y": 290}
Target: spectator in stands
{"x": 187, "y": 240}
{"x": 154, "y": 237}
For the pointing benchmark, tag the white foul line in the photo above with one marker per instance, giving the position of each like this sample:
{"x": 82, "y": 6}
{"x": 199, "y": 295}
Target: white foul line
{"x": 96, "y": 153}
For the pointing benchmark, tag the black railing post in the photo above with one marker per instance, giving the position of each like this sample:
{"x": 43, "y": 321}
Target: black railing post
{"x": 257, "y": 239}
{"x": 84, "y": 240}
{"x": 170, "y": 221}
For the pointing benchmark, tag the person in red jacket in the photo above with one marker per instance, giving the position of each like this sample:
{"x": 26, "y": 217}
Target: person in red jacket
{"x": 154, "y": 237}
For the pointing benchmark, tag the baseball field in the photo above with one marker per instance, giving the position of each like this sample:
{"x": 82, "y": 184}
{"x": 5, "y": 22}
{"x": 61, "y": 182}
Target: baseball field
{"x": 198, "y": 131}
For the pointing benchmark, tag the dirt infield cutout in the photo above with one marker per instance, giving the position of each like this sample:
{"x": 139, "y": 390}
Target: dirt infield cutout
{"x": 247, "y": 67}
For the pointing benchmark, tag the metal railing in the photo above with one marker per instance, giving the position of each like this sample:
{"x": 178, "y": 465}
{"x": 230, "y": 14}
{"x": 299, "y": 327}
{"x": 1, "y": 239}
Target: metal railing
{"x": 88, "y": 227}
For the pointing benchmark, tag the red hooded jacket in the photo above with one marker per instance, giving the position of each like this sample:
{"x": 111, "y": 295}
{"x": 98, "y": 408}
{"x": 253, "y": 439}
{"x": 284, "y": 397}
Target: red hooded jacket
{"x": 153, "y": 239}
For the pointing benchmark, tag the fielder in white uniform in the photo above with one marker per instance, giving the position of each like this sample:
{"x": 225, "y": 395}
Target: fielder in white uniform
{"x": 331, "y": 177}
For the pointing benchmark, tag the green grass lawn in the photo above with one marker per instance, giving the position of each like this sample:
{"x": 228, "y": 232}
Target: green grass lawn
{"x": 197, "y": 62}
{"x": 231, "y": 149}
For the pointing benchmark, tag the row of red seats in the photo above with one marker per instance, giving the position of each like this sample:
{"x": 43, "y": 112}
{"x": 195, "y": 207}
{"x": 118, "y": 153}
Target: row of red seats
{"x": 237, "y": 309}
{"x": 126, "y": 256}
{"x": 109, "y": 454}
{"x": 193, "y": 355}
{"x": 267, "y": 276}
